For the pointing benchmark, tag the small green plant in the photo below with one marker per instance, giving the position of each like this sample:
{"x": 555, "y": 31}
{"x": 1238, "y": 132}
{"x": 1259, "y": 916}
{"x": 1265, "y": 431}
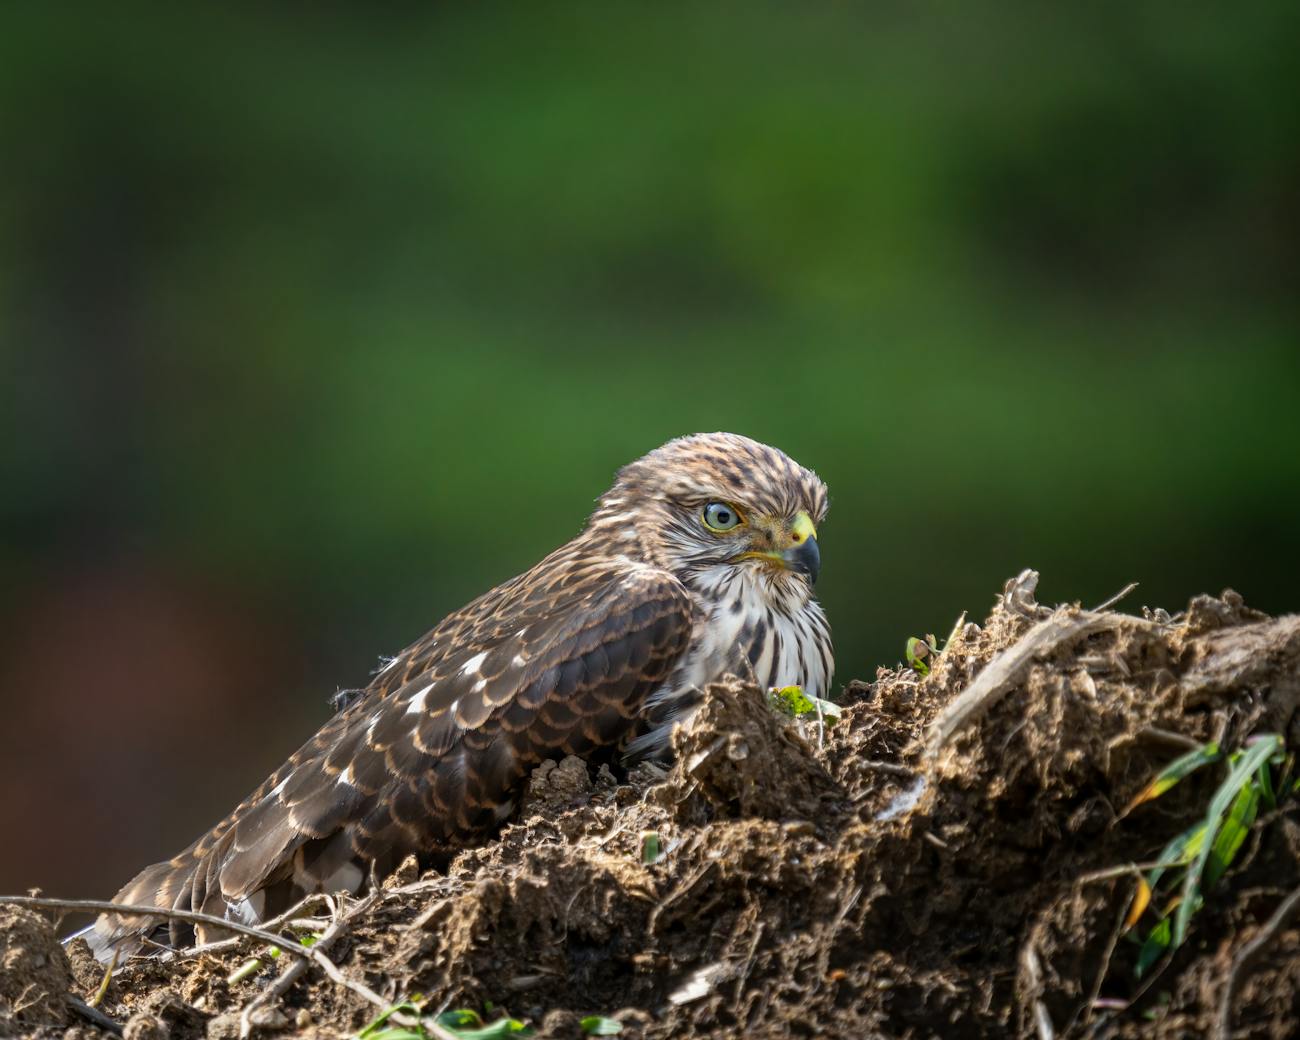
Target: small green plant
{"x": 598, "y": 1025}
{"x": 1194, "y": 861}
{"x": 920, "y": 652}
{"x": 253, "y": 965}
{"x": 792, "y": 701}
{"x": 463, "y": 1023}
{"x": 652, "y": 850}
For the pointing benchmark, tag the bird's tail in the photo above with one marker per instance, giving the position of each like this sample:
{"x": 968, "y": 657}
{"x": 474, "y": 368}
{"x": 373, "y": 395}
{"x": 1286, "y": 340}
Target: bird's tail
{"x": 168, "y": 886}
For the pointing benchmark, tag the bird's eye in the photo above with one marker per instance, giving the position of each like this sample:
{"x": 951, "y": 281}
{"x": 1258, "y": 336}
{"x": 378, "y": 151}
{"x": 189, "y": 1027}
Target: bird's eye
{"x": 718, "y": 516}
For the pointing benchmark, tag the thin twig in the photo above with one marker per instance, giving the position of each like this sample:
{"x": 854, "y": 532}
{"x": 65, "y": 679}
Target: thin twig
{"x": 1109, "y": 873}
{"x": 1103, "y": 970}
{"x": 1244, "y": 959}
{"x": 229, "y": 944}
{"x": 298, "y": 968}
{"x": 1034, "y": 970}
{"x": 1121, "y": 594}
{"x": 194, "y": 917}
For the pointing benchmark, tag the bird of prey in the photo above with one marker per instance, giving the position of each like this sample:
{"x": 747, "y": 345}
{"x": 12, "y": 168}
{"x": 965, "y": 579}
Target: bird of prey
{"x": 697, "y": 563}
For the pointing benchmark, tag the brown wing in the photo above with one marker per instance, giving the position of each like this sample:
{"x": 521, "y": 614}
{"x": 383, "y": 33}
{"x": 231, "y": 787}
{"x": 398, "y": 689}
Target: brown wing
{"x": 434, "y": 753}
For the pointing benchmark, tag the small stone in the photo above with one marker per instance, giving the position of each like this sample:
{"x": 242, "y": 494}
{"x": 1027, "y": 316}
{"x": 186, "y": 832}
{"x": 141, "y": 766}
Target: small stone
{"x": 268, "y": 1018}
{"x": 302, "y": 1019}
{"x": 224, "y": 1027}
{"x": 145, "y": 1026}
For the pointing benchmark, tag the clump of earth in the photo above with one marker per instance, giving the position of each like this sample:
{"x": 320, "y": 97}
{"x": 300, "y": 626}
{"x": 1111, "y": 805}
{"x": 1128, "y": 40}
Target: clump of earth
{"x": 924, "y": 865}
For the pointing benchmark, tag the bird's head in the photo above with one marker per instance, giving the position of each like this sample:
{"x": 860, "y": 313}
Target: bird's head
{"x": 714, "y": 506}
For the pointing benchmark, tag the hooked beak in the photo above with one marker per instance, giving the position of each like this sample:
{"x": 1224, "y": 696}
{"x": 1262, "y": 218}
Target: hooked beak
{"x": 796, "y": 549}
{"x": 803, "y": 555}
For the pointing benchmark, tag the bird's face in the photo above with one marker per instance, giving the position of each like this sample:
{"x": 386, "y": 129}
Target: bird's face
{"x": 722, "y": 532}
{"x": 716, "y": 506}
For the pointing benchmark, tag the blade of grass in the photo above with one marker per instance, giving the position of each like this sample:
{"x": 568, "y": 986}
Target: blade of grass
{"x": 1157, "y": 942}
{"x": 1178, "y": 852}
{"x": 1240, "y": 774}
{"x": 1182, "y": 766}
{"x": 372, "y": 1031}
{"x": 1236, "y": 825}
{"x": 1264, "y": 782}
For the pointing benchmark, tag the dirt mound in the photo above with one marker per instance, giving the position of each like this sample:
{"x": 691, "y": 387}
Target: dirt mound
{"x": 34, "y": 972}
{"x": 949, "y": 858}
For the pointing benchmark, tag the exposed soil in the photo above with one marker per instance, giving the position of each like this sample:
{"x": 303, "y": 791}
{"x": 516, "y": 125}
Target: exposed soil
{"x": 887, "y": 883}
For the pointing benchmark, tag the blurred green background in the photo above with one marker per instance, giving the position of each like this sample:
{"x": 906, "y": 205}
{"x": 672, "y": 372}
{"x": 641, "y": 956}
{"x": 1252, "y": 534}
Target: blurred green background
{"x": 317, "y": 322}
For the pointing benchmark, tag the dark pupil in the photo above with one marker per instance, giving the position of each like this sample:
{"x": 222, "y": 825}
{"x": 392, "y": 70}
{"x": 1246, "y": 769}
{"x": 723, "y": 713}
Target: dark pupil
{"x": 723, "y": 517}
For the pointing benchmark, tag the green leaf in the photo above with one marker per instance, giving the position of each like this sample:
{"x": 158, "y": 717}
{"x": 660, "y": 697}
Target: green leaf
{"x": 461, "y": 1018}
{"x": 1228, "y": 842}
{"x": 468, "y": 1025}
{"x": 791, "y": 700}
{"x": 1264, "y": 781}
{"x": 1157, "y": 942}
{"x": 1242, "y": 770}
{"x": 373, "y": 1031}
{"x": 651, "y": 848}
{"x": 918, "y": 652}
{"x": 1180, "y": 767}
{"x": 249, "y": 968}
{"x": 596, "y": 1025}
{"x": 1178, "y": 852}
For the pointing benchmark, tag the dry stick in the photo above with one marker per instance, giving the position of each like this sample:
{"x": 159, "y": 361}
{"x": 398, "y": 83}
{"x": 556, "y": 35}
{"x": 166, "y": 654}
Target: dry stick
{"x": 1110, "y": 873}
{"x": 294, "y": 971}
{"x": 1034, "y": 969}
{"x": 194, "y": 917}
{"x": 1094, "y": 992}
{"x": 1244, "y": 959}
{"x": 1004, "y": 671}
{"x": 229, "y": 944}
{"x": 1121, "y": 594}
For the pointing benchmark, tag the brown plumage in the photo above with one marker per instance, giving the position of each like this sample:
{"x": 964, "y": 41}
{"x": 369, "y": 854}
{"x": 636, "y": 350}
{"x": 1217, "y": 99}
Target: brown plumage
{"x": 697, "y": 563}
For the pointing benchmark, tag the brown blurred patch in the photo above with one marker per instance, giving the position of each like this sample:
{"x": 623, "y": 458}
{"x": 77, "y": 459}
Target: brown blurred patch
{"x": 132, "y": 701}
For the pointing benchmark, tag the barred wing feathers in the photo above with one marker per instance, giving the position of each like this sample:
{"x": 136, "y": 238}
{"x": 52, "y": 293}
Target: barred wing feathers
{"x": 432, "y": 756}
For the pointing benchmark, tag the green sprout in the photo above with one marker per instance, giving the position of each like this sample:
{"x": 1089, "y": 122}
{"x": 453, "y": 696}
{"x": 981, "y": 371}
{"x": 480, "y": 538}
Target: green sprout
{"x": 920, "y": 652}
{"x": 597, "y": 1025}
{"x": 462, "y": 1023}
{"x": 1195, "y": 861}
{"x": 792, "y": 701}
{"x": 651, "y": 848}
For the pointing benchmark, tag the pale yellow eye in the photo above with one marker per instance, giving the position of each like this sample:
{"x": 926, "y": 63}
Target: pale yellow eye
{"x": 718, "y": 516}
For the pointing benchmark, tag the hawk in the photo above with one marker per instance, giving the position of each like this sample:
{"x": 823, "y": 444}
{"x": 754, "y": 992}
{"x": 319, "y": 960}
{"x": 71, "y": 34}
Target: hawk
{"x": 697, "y": 563}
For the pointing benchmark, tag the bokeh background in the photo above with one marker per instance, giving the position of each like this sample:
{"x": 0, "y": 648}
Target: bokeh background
{"x": 317, "y": 322}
